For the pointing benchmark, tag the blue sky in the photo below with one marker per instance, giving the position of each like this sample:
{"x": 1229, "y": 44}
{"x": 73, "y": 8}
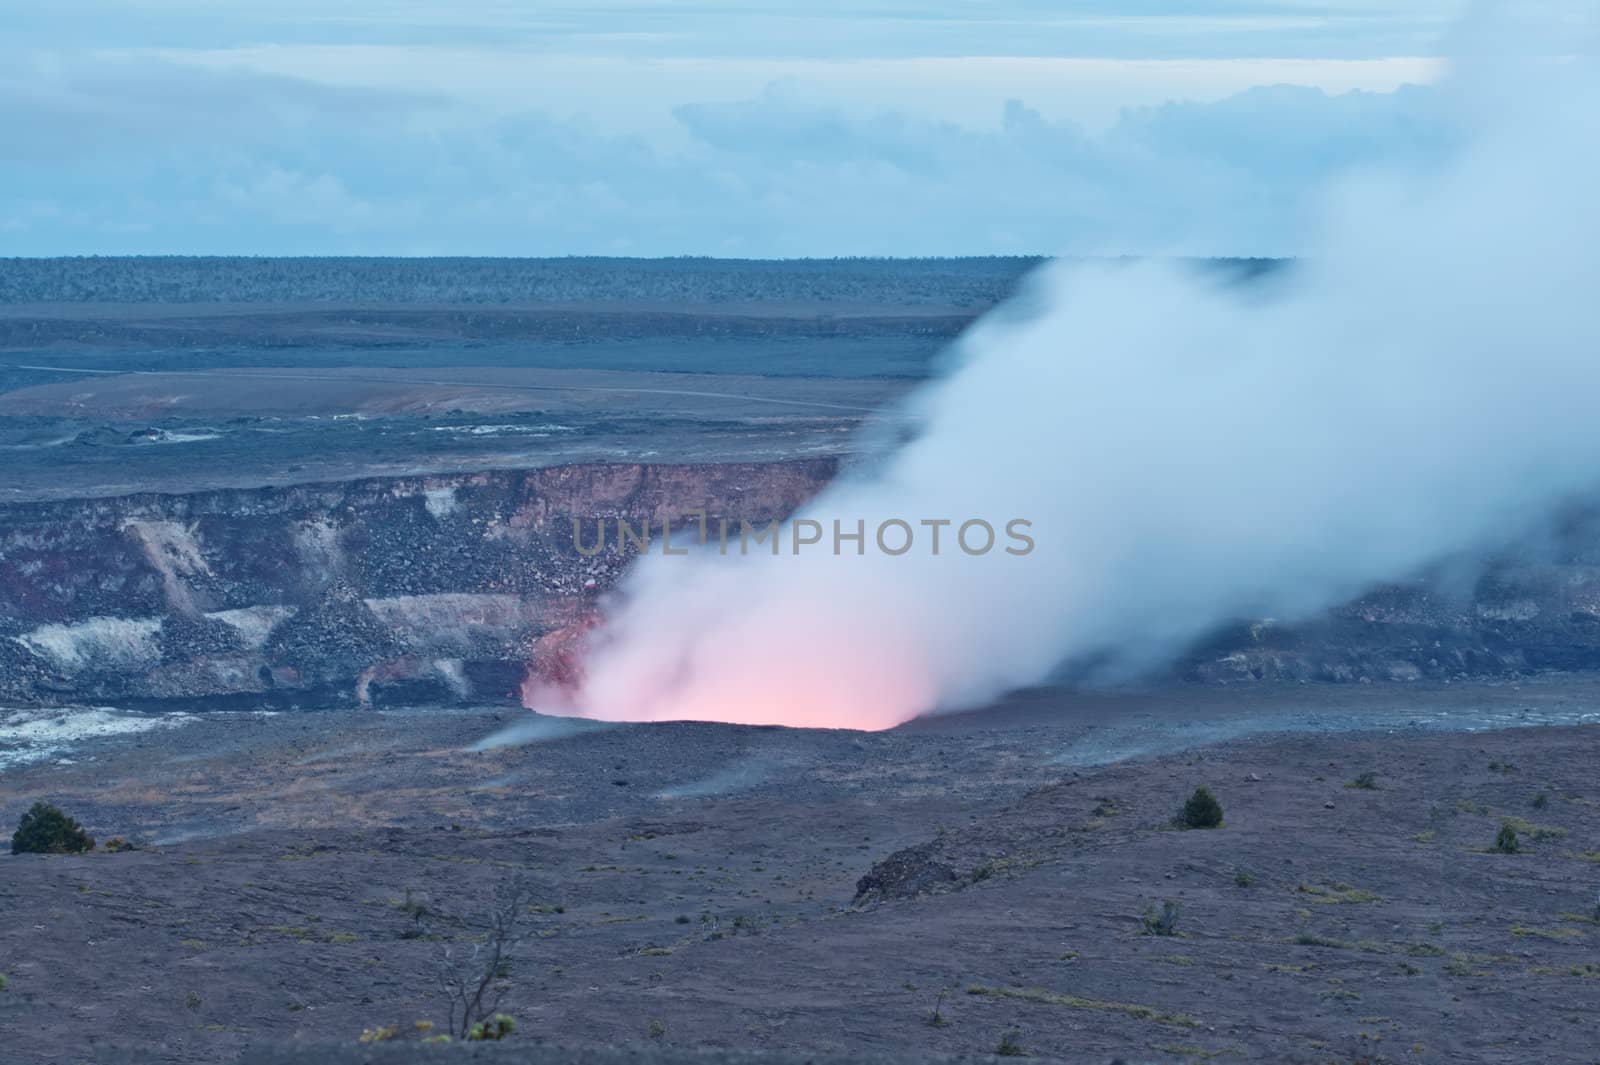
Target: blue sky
{"x": 756, "y": 128}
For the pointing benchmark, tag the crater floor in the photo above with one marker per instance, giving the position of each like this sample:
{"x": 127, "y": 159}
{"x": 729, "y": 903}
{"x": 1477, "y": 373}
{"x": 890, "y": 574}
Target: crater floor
{"x": 697, "y": 886}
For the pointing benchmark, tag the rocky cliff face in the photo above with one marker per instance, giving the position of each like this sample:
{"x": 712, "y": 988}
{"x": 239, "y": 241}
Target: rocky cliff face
{"x": 423, "y": 589}
{"x": 1533, "y": 607}
{"x": 451, "y": 588}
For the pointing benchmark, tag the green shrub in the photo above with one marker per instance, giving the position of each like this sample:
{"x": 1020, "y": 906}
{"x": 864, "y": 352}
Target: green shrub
{"x": 1202, "y": 810}
{"x": 1505, "y": 841}
{"x": 1162, "y": 922}
{"x": 1010, "y": 1046}
{"x": 46, "y": 830}
{"x": 493, "y": 1030}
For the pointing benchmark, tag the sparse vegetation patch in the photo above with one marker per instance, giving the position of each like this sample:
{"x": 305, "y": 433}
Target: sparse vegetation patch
{"x": 1336, "y": 893}
{"x": 1537, "y": 833}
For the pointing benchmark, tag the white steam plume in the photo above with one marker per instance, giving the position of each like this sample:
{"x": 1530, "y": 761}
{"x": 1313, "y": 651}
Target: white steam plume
{"x": 1188, "y": 451}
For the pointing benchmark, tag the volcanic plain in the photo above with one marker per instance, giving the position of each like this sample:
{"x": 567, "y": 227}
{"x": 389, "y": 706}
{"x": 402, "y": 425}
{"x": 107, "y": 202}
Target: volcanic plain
{"x": 963, "y": 884}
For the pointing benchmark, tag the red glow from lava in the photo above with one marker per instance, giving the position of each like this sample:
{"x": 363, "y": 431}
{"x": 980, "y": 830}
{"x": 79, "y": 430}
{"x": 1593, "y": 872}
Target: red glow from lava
{"x": 744, "y": 642}
{"x": 825, "y": 683}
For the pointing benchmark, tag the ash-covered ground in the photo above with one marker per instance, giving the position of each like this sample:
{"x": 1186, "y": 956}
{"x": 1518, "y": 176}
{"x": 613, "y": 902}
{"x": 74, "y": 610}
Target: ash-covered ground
{"x": 933, "y": 890}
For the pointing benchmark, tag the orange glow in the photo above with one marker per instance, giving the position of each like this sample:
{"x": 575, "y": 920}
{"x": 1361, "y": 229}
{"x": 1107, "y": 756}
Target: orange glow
{"x": 759, "y": 640}
{"x": 815, "y": 677}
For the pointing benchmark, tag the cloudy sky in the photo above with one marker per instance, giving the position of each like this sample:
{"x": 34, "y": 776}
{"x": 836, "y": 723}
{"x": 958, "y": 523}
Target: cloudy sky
{"x": 721, "y": 127}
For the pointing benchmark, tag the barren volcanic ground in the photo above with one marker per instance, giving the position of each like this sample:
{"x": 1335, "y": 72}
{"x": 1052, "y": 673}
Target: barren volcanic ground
{"x": 919, "y": 892}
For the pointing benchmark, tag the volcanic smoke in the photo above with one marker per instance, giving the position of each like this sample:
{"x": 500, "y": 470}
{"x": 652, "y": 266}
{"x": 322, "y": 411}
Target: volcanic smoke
{"x": 1189, "y": 451}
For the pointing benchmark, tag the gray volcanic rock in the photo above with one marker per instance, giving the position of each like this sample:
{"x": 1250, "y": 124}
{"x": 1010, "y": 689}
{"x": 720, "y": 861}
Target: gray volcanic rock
{"x": 906, "y": 874}
{"x": 186, "y": 636}
{"x": 24, "y": 676}
{"x": 337, "y": 631}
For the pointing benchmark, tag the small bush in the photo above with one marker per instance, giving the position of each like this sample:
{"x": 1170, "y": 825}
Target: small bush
{"x": 1367, "y": 781}
{"x": 116, "y": 845}
{"x": 417, "y": 908}
{"x": 1202, "y": 810}
{"x": 1162, "y": 922}
{"x": 1540, "y": 801}
{"x": 492, "y": 1030}
{"x": 44, "y": 829}
{"x": 1010, "y": 1046}
{"x": 1505, "y": 841}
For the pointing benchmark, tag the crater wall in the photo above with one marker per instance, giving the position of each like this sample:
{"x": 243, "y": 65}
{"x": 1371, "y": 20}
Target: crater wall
{"x": 449, "y": 588}
{"x": 402, "y": 589}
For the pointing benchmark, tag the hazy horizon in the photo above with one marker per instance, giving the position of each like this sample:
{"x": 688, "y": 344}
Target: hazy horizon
{"x": 744, "y": 130}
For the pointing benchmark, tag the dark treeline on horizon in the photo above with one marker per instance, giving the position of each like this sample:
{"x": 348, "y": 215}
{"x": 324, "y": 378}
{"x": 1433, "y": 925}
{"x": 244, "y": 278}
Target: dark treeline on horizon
{"x": 958, "y": 282}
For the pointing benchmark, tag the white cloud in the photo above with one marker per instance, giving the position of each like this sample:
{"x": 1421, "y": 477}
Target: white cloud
{"x": 720, "y": 126}
{"x": 628, "y": 95}
{"x": 171, "y": 157}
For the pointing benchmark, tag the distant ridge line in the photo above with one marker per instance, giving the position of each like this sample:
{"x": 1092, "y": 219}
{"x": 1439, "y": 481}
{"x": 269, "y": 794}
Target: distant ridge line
{"x": 975, "y": 281}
